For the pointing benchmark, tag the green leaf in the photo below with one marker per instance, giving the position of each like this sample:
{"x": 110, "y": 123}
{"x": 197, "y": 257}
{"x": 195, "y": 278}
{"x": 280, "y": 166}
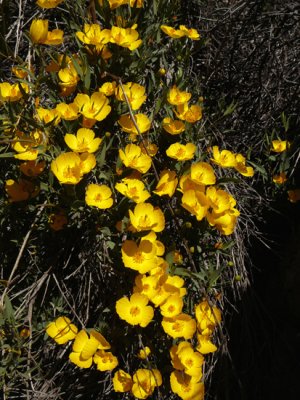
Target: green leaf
{"x": 8, "y": 310}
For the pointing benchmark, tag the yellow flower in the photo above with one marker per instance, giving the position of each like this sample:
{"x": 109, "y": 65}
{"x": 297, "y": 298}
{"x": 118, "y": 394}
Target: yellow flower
{"x": 48, "y": 116}
{"x": 219, "y": 199}
{"x": 144, "y": 382}
{"x": 127, "y": 125}
{"x": 191, "y": 33}
{"x": 26, "y": 145}
{"x": 67, "y": 168}
{"x": 172, "y": 32}
{"x": 174, "y": 127}
{"x": 135, "y": 311}
{"x": 181, "y": 152}
{"x": 48, "y": 3}
{"x": 39, "y": 33}
{"x": 93, "y": 35}
{"x": 83, "y": 141}
{"x": 141, "y": 258}
{"x": 94, "y": 108}
{"x": 167, "y": 183}
{"x": 108, "y": 88}
{"x": 207, "y": 317}
{"x": 136, "y": 3}
{"x": 20, "y": 190}
{"x": 225, "y": 222}
{"x": 183, "y": 325}
{"x": 196, "y": 203}
{"x": 145, "y": 217}
{"x": 87, "y": 162}
{"x": 62, "y": 330}
{"x": 186, "y": 183}
{"x": 134, "y": 92}
{"x": 144, "y": 353}
{"x": 122, "y": 382}
{"x": 85, "y": 346}
{"x": 13, "y": 92}
{"x": 294, "y": 195}
{"x": 241, "y": 166}
{"x": 68, "y": 79}
{"x": 134, "y": 189}
{"x": 105, "y": 360}
{"x": 177, "y": 97}
{"x": 31, "y": 168}
{"x": 203, "y": 173}
{"x": 190, "y": 114}
{"x": 68, "y": 112}
{"x": 192, "y": 361}
{"x": 205, "y": 346}
{"x": 133, "y": 157}
{"x": 21, "y": 71}
{"x": 98, "y": 196}
{"x": 278, "y": 146}
{"x": 172, "y": 306}
{"x": 114, "y": 3}
{"x": 186, "y": 387}
{"x": 149, "y": 148}
{"x": 128, "y": 38}
{"x": 280, "y": 179}
{"x": 225, "y": 158}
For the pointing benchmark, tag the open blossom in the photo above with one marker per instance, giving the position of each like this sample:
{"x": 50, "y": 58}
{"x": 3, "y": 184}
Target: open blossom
{"x": 278, "y": 146}
{"x": 181, "y": 152}
{"x": 70, "y": 167}
{"x": 141, "y": 258}
{"x": 85, "y": 347}
{"x": 167, "y": 183}
{"x": 122, "y": 381}
{"x": 98, "y": 196}
{"x": 95, "y": 36}
{"x": 191, "y": 33}
{"x": 134, "y": 92}
{"x": 12, "y": 92}
{"x": 48, "y": 3}
{"x": 145, "y": 217}
{"x": 144, "y": 382}
{"x": 190, "y": 114}
{"x": 224, "y": 158}
{"x": 108, "y": 88}
{"x": 186, "y": 387}
{"x": 105, "y": 360}
{"x": 28, "y": 146}
{"x": 241, "y": 166}
{"x": 94, "y": 107}
{"x": 183, "y": 325}
{"x": 177, "y": 97}
{"x": 62, "y": 330}
{"x": 133, "y": 157}
{"x": 127, "y": 125}
{"x": 125, "y": 37}
{"x": 203, "y": 173}
{"x": 83, "y": 141}
{"x": 208, "y": 317}
{"x": 174, "y": 127}
{"x": 134, "y": 189}
{"x": 135, "y": 310}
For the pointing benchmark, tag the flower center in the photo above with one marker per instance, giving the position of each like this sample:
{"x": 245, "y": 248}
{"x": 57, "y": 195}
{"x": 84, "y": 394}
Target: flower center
{"x": 134, "y": 311}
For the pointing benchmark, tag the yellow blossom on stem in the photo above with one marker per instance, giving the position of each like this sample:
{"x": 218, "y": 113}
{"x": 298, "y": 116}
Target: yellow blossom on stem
{"x": 278, "y": 146}
{"x": 196, "y": 203}
{"x": 224, "y": 158}
{"x": 190, "y": 114}
{"x": 205, "y": 346}
{"x": 133, "y": 157}
{"x": 181, "y": 152}
{"x": 135, "y": 311}
{"x": 144, "y": 382}
{"x": 62, "y": 330}
{"x": 208, "y": 317}
{"x": 219, "y": 200}
{"x": 186, "y": 183}
{"x": 192, "y": 361}
{"x": 26, "y": 145}
{"x": 98, "y": 196}
{"x": 225, "y": 222}
{"x": 167, "y": 183}
{"x": 114, "y": 3}
{"x": 93, "y": 35}
{"x": 136, "y": 3}
{"x": 125, "y": 37}
{"x": 172, "y": 306}
{"x": 68, "y": 112}
{"x": 127, "y": 125}
{"x": 94, "y": 108}
{"x": 177, "y": 97}
{"x": 147, "y": 285}
{"x": 122, "y": 381}
{"x": 241, "y": 166}
{"x": 191, "y": 33}
{"x": 144, "y": 353}
{"x": 85, "y": 346}
{"x": 186, "y": 387}
{"x": 83, "y": 141}
{"x": 146, "y": 217}
{"x": 183, "y": 325}
{"x": 67, "y": 168}
{"x": 105, "y": 360}
{"x": 48, "y": 3}
{"x": 173, "y": 126}
{"x": 108, "y": 88}
{"x": 134, "y": 92}
{"x": 134, "y": 189}
{"x": 39, "y": 33}
{"x": 12, "y": 92}
{"x": 48, "y": 116}
{"x": 172, "y": 32}
{"x": 202, "y": 173}
{"x": 141, "y": 258}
